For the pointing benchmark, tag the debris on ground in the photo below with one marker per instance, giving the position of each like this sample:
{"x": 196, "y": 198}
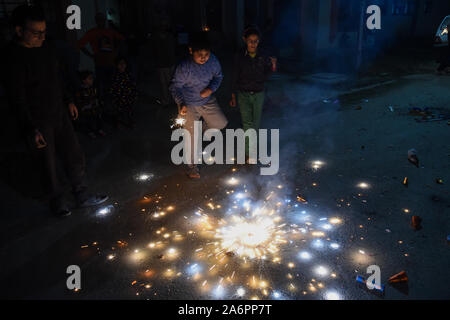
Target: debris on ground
{"x": 391, "y": 108}
{"x": 377, "y": 288}
{"x": 420, "y": 112}
{"x": 429, "y": 115}
{"x": 413, "y": 158}
{"x": 399, "y": 277}
{"x": 416, "y": 223}
{"x": 405, "y": 182}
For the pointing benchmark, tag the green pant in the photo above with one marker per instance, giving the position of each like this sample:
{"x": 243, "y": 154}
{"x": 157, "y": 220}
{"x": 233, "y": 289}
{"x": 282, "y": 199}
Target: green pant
{"x": 251, "y": 109}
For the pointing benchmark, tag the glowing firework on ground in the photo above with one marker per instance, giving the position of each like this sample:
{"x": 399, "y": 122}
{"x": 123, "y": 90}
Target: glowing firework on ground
{"x": 251, "y": 238}
{"x": 230, "y": 244}
{"x": 144, "y": 177}
{"x": 363, "y": 185}
{"x": 316, "y": 165}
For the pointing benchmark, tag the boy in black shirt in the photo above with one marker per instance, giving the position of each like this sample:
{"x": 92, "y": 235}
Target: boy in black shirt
{"x": 251, "y": 70}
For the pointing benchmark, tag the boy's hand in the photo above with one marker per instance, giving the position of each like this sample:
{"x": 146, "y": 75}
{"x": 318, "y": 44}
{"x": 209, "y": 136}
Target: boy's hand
{"x": 205, "y": 93}
{"x": 73, "y": 111}
{"x": 182, "y": 110}
{"x": 233, "y": 103}
{"x": 39, "y": 140}
{"x": 274, "y": 62}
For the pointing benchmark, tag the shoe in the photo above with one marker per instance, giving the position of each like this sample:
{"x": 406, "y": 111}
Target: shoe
{"x": 194, "y": 172}
{"x": 86, "y": 201}
{"x": 60, "y": 207}
{"x": 63, "y": 212}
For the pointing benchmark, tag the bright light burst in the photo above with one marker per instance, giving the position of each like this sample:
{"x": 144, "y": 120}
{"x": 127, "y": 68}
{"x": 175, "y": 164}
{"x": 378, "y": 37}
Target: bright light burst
{"x": 252, "y": 238}
{"x": 363, "y": 185}
{"x": 236, "y": 239}
{"x": 178, "y": 123}
{"x": 316, "y": 165}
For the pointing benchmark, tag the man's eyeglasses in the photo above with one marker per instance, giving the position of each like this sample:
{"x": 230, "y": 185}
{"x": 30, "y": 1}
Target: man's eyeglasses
{"x": 39, "y": 34}
{"x": 252, "y": 41}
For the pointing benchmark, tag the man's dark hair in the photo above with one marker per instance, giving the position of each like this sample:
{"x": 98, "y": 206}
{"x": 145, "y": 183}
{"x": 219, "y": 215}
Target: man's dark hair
{"x": 200, "y": 41}
{"x": 85, "y": 74}
{"x": 251, "y": 30}
{"x": 25, "y": 13}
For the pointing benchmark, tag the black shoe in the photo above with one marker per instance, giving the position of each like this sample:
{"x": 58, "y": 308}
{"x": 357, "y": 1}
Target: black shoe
{"x": 86, "y": 201}
{"x": 60, "y": 207}
{"x": 64, "y": 213}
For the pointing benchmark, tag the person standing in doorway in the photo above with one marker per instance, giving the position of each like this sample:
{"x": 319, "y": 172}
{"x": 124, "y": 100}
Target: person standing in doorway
{"x": 105, "y": 45}
{"x": 252, "y": 68}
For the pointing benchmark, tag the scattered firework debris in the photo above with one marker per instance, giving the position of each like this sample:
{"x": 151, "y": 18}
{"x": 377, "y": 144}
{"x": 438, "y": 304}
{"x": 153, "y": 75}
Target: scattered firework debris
{"x": 398, "y": 278}
{"x": 416, "y": 223}
{"x": 413, "y": 158}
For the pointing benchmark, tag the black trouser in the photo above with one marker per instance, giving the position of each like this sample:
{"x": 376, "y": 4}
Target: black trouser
{"x": 62, "y": 142}
{"x": 92, "y": 122}
{"x": 104, "y": 77}
{"x": 165, "y": 77}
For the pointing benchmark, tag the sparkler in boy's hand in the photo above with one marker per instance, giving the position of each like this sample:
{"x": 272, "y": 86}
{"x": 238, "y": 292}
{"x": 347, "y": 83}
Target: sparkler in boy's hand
{"x": 180, "y": 120}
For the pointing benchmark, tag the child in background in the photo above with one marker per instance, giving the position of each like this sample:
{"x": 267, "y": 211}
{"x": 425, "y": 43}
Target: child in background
{"x": 252, "y": 68}
{"x": 86, "y": 99}
{"x": 124, "y": 94}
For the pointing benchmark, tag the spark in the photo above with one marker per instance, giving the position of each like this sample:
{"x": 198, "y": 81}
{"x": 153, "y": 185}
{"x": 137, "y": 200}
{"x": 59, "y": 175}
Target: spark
{"x": 305, "y": 255}
{"x": 251, "y": 238}
{"x": 105, "y": 211}
{"x": 363, "y": 185}
{"x": 335, "y": 221}
{"x": 178, "y": 123}
{"x": 316, "y": 165}
{"x": 332, "y": 295}
{"x": 144, "y": 177}
{"x": 335, "y": 246}
{"x": 321, "y": 271}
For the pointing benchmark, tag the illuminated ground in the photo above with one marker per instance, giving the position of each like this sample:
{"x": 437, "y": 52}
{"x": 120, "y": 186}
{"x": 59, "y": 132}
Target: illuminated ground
{"x": 311, "y": 230}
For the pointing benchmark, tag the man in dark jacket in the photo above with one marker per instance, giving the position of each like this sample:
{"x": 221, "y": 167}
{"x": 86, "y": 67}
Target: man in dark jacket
{"x": 43, "y": 104}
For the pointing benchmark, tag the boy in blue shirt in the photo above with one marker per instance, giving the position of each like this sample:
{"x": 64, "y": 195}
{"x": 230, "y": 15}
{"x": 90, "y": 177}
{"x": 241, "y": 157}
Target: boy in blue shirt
{"x": 196, "y": 80}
